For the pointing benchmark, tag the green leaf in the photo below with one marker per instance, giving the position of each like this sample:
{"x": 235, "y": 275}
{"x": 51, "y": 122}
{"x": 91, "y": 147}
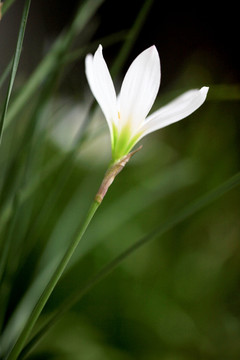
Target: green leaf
{"x": 7, "y": 5}
{"x": 176, "y": 219}
{"x": 60, "y": 47}
{"x": 15, "y": 63}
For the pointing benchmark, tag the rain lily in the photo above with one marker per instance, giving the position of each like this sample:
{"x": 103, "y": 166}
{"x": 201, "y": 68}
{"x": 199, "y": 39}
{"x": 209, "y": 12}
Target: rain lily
{"x": 126, "y": 114}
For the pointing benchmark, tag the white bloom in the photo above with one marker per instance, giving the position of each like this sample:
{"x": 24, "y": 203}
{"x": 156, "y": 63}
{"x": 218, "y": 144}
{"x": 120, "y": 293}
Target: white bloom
{"x": 126, "y": 114}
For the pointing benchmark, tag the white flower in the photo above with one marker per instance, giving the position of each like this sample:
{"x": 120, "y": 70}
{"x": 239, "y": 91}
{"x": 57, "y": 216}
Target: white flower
{"x": 126, "y": 114}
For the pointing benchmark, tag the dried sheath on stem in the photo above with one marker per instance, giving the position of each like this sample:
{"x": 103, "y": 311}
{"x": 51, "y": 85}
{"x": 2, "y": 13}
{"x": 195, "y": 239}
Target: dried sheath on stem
{"x": 111, "y": 173}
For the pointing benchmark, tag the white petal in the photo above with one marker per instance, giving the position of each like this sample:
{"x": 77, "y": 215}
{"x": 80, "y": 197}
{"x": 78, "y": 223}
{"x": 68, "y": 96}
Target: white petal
{"x": 90, "y": 73}
{"x": 140, "y": 87}
{"x": 176, "y": 110}
{"x": 101, "y": 84}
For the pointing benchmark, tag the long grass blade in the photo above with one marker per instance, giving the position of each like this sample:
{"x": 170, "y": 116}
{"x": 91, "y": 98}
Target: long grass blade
{"x": 7, "y": 5}
{"x": 6, "y": 73}
{"x": 182, "y": 215}
{"x": 32, "y": 160}
{"x": 61, "y": 45}
{"x": 14, "y": 353}
{"x": 15, "y": 62}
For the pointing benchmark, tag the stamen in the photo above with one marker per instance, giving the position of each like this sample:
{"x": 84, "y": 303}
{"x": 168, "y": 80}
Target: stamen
{"x": 119, "y": 115}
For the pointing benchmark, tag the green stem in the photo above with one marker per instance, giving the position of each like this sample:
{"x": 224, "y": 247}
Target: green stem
{"x": 176, "y": 219}
{"x": 109, "y": 177}
{"x": 51, "y": 285}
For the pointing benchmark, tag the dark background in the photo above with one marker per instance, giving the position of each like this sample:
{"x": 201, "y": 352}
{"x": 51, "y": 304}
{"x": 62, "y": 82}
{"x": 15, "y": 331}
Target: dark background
{"x": 211, "y": 36}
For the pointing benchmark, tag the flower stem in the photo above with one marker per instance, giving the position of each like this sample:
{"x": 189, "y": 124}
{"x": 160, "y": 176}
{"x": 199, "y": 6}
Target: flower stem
{"x": 51, "y": 285}
{"x": 111, "y": 173}
{"x": 177, "y": 218}
{"x": 109, "y": 177}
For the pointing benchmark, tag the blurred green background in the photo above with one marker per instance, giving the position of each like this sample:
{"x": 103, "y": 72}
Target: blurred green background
{"x": 177, "y": 297}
